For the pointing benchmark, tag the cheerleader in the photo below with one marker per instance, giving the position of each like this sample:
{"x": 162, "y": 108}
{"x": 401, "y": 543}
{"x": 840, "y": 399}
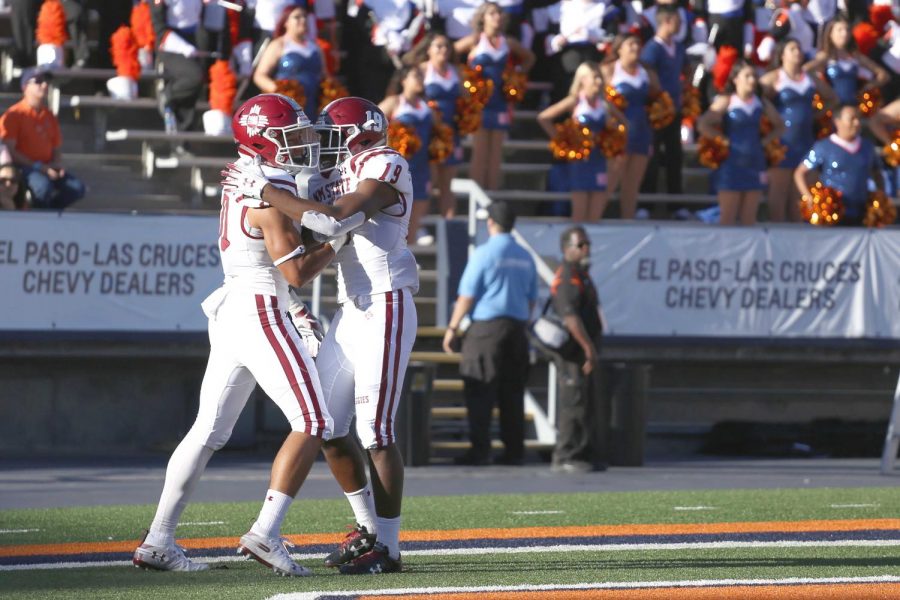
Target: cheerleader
{"x": 294, "y": 55}
{"x": 842, "y": 64}
{"x": 407, "y": 105}
{"x": 587, "y": 105}
{"x": 487, "y": 47}
{"x": 442, "y": 87}
{"x": 885, "y": 122}
{"x": 736, "y": 116}
{"x": 844, "y": 161}
{"x": 791, "y": 90}
{"x": 636, "y": 85}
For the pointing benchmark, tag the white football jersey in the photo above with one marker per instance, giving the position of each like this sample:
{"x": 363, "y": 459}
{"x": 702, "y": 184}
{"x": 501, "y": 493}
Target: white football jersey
{"x": 376, "y": 259}
{"x": 245, "y": 260}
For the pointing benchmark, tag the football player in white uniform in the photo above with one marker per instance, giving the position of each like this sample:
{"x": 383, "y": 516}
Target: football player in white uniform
{"x": 253, "y": 341}
{"x": 364, "y": 356}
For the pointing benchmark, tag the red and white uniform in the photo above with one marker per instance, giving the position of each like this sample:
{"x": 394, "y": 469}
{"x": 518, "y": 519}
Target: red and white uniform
{"x": 251, "y": 338}
{"x": 363, "y": 358}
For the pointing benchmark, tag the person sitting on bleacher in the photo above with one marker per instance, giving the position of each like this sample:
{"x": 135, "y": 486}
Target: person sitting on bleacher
{"x": 31, "y": 133}
{"x": 12, "y": 192}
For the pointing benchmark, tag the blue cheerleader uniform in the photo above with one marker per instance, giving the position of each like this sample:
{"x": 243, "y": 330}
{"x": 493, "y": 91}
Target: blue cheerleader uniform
{"x": 845, "y": 166}
{"x": 589, "y": 175}
{"x": 496, "y": 114}
{"x": 303, "y": 64}
{"x": 635, "y": 89}
{"x": 843, "y": 75}
{"x": 419, "y": 117}
{"x": 743, "y": 170}
{"x": 444, "y": 90}
{"x": 793, "y": 100}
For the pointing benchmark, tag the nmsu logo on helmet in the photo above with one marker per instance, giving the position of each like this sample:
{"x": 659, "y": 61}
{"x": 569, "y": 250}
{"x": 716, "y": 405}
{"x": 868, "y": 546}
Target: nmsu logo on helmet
{"x": 253, "y": 121}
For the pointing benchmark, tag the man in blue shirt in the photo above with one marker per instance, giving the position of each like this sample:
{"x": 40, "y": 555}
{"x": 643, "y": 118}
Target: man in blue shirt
{"x": 499, "y": 288}
{"x": 665, "y": 55}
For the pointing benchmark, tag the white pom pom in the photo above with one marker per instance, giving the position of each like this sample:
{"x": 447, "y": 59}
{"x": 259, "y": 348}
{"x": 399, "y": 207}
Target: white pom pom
{"x": 122, "y": 88}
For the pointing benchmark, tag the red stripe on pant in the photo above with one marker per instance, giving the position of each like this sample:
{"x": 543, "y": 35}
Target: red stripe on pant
{"x": 385, "y": 359}
{"x": 315, "y": 406}
{"x": 398, "y": 353}
{"x": 263, "y": 312}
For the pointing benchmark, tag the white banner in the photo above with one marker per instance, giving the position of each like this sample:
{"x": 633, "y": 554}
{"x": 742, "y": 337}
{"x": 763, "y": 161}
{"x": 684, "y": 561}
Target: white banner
{"x": 106, "y": 272}
{"x": 695, "y": 280}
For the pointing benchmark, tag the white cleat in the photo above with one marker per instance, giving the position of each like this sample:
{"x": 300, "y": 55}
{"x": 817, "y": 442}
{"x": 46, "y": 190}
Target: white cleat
{"x": 165, "y": 558}
{"x": 272, "y": 553}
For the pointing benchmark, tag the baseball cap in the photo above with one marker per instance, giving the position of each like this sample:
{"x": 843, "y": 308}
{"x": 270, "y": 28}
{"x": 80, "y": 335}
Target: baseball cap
{"x": 35, "y": 73}
{"x": 502, "y": 214}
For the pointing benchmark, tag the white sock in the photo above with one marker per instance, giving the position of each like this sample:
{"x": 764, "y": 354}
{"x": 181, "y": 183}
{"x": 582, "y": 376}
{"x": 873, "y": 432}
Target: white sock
{"x": 185, "y": 467}
{"x": 389, "y": 535}
{"x": 272, "y": 514}
{"x": 363, "y": 504}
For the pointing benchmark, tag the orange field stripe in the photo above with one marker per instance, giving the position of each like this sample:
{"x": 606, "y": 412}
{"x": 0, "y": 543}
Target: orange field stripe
{"x": 440, "y": 535}
{"x": 852, "y": 591}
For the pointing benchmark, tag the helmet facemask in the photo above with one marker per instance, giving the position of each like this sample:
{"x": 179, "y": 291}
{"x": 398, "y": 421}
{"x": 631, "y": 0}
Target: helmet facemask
{"x": 298, "y": 146}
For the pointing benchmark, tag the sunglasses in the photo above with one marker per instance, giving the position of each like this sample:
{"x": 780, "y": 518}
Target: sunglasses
{"x": 38, "y": 80}
{"x": 8, "y": 180}
{"x": 582, "y": 245}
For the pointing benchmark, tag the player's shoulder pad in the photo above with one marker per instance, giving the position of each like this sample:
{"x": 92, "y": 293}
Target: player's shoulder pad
{"x": 280, "y": 178}
{"x": 378, "y": 163}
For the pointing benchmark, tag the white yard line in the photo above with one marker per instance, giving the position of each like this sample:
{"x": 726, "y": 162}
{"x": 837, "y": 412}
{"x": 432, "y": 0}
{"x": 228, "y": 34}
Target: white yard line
{"x": 537, "y": 512}
{"x": 693, "y": 508}
{"x": 202, "y": 523}
{"x": 195, "y": 554}
{"x": 2, "y": 531}
{"x": 618, "y": 585}
{"x": 874, "y": 505}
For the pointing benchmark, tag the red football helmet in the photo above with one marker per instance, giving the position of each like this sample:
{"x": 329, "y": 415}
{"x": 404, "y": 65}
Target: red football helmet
{"x": 275, "y": 128}
{"x": 347, "y": 126}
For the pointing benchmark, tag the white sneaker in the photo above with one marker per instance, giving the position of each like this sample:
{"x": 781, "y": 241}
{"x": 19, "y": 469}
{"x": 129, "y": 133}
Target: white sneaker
{"x": 165, "y": 558}
{"x": 423, "y": 238}
{"x": 272, "y": 553}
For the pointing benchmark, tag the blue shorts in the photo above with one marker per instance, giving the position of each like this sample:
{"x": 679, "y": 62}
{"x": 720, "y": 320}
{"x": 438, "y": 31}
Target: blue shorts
{"x": 496, "y": 120}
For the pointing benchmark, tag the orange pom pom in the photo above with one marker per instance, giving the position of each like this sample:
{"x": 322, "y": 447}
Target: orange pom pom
{"x": 774, "y": 150}
{"x": 222, "y": 87}
{"x": 142, "y": 26}
{"x": 572, "y": 141}
{"x": 292, "y": 89}
{"x": 824, "y": 119}
{"x": 690, "y": 101}
{"x": 661, "y": 110}
{"x": 478, "y": 86}
{"x": 869, "y": 102}
{"x": 822, "y": 206}
{"x": 615, "y": 98}
{"x": 441, "y": 145}
{"x": 612, "y": 140}
{"x": 330, "y": 90}
{"x": 123, "y": 50}
{"x": 712, "y": 152}
{"x": 403, "y": 138}
{"x": 892, "y": 150}
{"x": 880, "y": 211}
{"x": 514, "y": 84}
{"x": 51, "y": 24}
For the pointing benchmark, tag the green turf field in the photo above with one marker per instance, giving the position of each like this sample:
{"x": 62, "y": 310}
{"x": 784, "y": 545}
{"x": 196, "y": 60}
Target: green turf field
{"x": 599, "y": 559}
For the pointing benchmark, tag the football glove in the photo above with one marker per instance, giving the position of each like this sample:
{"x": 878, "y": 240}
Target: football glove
{"x": 249, "y": 180}
{"x": 306, "y": 324}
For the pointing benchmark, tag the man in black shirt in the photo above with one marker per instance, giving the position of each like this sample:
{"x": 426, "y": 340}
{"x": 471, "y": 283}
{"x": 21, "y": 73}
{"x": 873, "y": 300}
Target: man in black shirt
{"x": 575, "y": 300}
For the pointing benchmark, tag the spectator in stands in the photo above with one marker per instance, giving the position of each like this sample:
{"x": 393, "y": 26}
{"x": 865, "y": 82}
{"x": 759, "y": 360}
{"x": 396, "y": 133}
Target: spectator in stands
{"x": 575, "y": 300}
{"x": 587, "y": 105}
{"x": 454, "y": 17}
{"x": 498, "y": 287}
{"x": 731, "y": 20}
{"x": 664, "y": 55}
{"x": 442, "y": 87}
{"x": 791, "y": 90}
{"x": 488, "y": 47}
{"x": 736, "y": 116}
{"x": 188, "y": 35}
{"x": 573, "y": 39}
{"x": 406, "y": 104}
{"x": 624, "y": 72}
{"x": 840, "y": 62}
{"x": 12, "y": 192}
{"x": 844, "y": 161}
{"x": 264, "y": 16}
{"x": 31, "y": 133}
{"x": 292, "y": 55}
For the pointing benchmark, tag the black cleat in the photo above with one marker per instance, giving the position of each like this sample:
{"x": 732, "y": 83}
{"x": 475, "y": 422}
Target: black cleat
{"x": 375, "y": 561}
{"x": 355, "y": 544}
